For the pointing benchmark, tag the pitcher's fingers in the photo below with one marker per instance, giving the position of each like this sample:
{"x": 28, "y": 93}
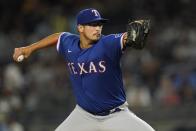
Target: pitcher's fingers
{"x": 16, "y": 54}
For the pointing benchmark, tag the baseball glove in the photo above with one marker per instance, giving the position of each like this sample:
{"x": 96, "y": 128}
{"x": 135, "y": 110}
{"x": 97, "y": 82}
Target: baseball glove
{"x": 137, "y": 32}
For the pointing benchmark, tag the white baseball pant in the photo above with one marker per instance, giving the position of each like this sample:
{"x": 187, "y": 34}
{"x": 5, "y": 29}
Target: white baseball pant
{"x": 125, "y": 120}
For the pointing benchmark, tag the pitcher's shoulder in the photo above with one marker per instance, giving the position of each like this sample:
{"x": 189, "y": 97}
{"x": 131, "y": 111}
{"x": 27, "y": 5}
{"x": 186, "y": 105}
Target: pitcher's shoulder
{"x": 111, "y": 37}
{"x": 69, "y": 35}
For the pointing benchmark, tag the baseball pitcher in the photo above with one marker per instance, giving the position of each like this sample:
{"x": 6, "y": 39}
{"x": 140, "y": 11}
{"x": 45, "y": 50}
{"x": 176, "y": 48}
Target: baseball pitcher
{"x": 93, "y": 62}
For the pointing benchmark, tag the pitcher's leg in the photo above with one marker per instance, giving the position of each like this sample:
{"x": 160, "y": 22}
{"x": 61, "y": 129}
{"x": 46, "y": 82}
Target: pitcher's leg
{"x": 126, "y": 121}
{"x": 77, "y": 122}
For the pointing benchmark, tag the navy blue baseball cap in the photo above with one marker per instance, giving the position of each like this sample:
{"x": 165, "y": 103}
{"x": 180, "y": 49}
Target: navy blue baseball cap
{"x": 90, "y": 15}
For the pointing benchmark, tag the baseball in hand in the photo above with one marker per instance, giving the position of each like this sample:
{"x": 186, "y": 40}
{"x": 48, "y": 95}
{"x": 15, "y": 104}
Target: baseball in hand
{"x": 20, "y": 58}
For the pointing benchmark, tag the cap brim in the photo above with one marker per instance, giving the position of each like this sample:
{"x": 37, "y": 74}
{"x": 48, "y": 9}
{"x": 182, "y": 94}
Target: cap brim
{"x": 102, "y": 20}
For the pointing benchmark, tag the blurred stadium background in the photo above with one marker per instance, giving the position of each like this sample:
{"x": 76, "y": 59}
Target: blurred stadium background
{"x": 160, "y": 80}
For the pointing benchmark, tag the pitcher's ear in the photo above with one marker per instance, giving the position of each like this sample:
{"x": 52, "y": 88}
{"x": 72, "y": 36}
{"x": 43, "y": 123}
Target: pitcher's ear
{"x": 80, "y": 28}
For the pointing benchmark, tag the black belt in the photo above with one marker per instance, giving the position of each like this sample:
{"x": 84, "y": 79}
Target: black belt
{"x": 105, "y": 113}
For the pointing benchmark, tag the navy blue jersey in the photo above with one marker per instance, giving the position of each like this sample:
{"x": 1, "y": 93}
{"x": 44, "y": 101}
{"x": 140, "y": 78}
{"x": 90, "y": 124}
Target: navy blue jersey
{"x": 94, "y": 72}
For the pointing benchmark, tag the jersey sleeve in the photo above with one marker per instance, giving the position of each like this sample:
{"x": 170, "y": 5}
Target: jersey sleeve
{"x": 61, "y": 44}
{"x": 114, "y": 45}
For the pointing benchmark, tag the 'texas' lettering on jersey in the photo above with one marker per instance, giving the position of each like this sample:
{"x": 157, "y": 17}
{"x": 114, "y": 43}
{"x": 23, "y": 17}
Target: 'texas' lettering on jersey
{"x": 86, "y": 68}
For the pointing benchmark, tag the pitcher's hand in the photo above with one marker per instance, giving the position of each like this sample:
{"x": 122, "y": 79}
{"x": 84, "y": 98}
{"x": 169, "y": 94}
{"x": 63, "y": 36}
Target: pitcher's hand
{"x": 21, "y": 53}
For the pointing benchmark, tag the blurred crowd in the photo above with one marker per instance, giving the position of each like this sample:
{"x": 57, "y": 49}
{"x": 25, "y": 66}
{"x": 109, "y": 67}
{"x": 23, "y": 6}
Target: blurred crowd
{"x": 163, "y": 74}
